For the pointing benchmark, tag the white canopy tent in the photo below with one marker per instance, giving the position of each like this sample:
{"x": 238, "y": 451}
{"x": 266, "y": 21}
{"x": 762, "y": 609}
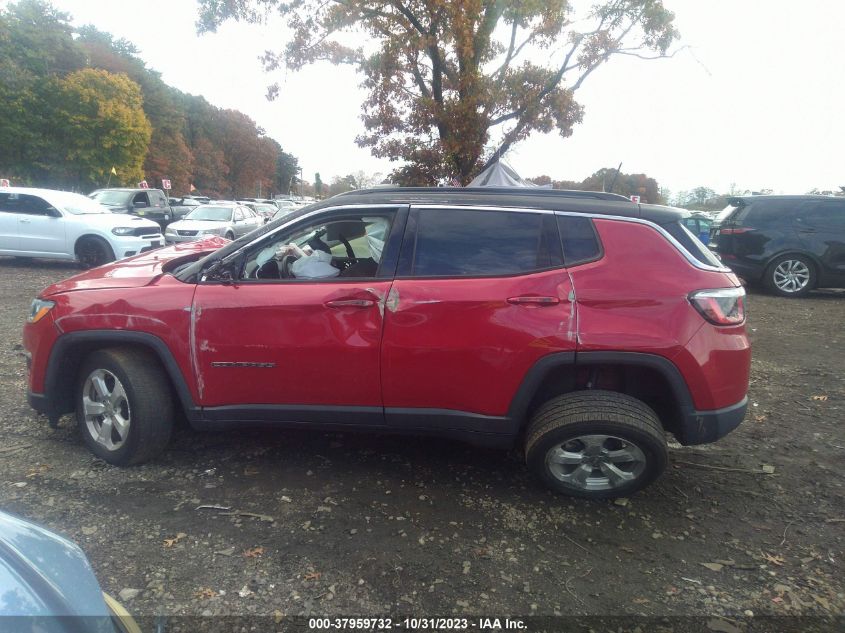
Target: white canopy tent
{"x": 500, "y": 174}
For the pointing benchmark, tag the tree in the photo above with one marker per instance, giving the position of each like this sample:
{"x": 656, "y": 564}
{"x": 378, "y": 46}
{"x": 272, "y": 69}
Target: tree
{"x": 96, "y": 122}
{"x": 287, "y": 167}
{"x": 318, "y": 185}
{"x": 452, "y": 85}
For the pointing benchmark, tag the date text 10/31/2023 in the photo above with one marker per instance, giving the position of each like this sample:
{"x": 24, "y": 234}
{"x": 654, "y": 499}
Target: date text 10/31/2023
{"x": 417, "y": 624}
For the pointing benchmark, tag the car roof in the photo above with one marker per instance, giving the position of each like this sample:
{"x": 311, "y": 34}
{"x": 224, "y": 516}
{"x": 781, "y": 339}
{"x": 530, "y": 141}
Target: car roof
{"x": 807, "y": 196}
{"x": 127, "y": 189}
{"x": 593, "y": 202}
{"x": 33, "y": 190}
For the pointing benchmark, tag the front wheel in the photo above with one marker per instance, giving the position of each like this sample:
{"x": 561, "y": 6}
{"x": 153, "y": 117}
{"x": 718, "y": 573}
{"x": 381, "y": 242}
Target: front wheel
{"x": 596, "y": 444}
{"x": 230, "y": 236}
{"x": 124, "y": 405}
{"x": 790, "y": 276}
{"x": 93, "y": 251}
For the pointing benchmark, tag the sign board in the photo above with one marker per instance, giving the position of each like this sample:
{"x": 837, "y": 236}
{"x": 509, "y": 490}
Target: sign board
{"x": 4, "y": 182}
{"x": 143, "y": 185}
{"x": 635, "y": 199}
{"x": 165, "y": 183}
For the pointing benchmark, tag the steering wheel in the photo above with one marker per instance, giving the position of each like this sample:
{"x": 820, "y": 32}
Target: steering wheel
{"x": 285, "y": 266}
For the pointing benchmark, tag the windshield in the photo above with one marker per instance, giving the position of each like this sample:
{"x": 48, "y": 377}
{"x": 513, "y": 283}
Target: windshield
{"x": 110, "y": 197}
{"x": 210, "y": 212}
{"x": 77, "y": 204}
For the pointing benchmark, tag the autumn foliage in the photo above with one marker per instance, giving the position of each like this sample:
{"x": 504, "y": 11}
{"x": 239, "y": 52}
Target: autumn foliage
{"x": 75, "y": 104}
{"x": 453, "y": 84}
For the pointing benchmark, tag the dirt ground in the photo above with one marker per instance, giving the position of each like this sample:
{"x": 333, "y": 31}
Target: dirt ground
{"x": 281, "y": 522}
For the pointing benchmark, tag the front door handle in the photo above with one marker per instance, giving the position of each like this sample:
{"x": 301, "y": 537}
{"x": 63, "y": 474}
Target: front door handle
{"x": 25, "y": 220}
{"x": 350, "y": 303}
{"x": 534, "y": 301}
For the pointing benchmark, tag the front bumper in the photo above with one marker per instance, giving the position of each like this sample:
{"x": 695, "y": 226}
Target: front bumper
{"x": 130, "y": 245}
{"x": 703, "y": 427}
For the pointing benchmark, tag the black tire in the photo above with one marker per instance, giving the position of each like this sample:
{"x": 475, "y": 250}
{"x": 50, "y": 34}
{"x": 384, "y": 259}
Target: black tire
{"x": 148, "y": 405}
{"x": 561, "y": 423}
{"x": 93, "y": 251}
{"x": 230, "y": 236}
{"x": 777, "y": 281}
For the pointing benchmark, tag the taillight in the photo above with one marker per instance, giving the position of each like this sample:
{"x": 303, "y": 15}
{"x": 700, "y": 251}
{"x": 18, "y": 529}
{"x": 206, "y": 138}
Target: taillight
{"x": 738, "y": 231}
{"x": 723, "y": 306}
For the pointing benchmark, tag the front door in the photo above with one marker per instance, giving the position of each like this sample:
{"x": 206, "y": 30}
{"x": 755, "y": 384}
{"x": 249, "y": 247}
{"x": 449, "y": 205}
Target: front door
{"x": 479, "y": 297}
{"x": 274, "y": 346}
{"x": 41, "y": 228}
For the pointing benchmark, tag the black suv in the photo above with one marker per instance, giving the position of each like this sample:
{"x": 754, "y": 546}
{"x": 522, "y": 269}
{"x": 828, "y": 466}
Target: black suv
{"x": 147, "y": 203}
{"x": 791, "y": 244}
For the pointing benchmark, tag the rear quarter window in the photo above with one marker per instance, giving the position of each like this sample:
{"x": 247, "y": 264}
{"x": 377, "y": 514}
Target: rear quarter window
{"x": 579, "y": 240}
{"x": 766, "y": 213}
{"x": 695, "y": 248}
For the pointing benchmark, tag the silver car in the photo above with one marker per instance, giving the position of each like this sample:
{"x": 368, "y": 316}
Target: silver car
{"x": 229, "y": 221}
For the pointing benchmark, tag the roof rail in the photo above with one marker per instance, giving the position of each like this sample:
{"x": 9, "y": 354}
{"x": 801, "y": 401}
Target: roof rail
{"x": 522, "y": 191}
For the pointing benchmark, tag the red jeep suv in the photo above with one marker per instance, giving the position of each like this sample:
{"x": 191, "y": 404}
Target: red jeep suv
{"x": 580, "y": 326}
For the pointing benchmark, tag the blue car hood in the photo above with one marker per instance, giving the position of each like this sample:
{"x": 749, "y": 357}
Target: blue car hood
{"x": 46, "y": 575}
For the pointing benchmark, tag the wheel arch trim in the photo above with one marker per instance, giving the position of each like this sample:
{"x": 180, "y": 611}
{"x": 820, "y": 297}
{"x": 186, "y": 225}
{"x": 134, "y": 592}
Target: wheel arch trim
{"x": 535, "y": 376}
{"x": 57, "y": 387}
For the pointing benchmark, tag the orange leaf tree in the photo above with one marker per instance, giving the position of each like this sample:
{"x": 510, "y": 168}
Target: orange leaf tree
{"x": 453, "y": 84}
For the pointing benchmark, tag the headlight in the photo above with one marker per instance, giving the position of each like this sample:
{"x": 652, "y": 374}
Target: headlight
{"x": 39, "y": 309}
{"x": 123, "y": 230}
{"x": 219, "y": 231}
{"x": 169, "y": 231}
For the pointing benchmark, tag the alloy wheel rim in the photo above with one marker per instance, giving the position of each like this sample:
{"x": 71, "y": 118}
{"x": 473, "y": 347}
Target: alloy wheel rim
{"x": 596, "y": 462}
{"x": 106, "y": 409}
{"x": 791, "y": 275}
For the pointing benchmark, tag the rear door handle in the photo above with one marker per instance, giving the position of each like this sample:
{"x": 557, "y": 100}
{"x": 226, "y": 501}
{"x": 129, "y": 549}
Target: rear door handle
{"x": 350, "y": 303}
{"x": 535, "y": 301}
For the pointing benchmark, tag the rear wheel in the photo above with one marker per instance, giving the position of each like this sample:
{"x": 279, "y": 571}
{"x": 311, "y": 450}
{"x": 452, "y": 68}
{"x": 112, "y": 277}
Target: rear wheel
{"x": 124, "y": 406}
{"x": 93, "y": 251}
{"x": 596, "y": 444}
{"x": 790, "y": 276}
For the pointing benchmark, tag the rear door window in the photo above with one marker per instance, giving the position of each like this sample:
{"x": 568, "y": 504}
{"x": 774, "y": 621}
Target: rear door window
{"x": 476, "y": 243}
{"x": 823, "y": 215}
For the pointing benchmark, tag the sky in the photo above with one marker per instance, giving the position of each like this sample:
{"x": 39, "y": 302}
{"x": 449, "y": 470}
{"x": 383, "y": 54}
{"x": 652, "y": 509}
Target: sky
{"x": 757, "y": 101}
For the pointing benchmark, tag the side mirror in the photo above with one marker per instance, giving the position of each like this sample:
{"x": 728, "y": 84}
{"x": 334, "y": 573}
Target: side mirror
{"x": 53, "y": 212}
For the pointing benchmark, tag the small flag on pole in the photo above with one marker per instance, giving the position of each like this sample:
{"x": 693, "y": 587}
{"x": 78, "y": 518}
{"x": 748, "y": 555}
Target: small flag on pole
{"x": 113, "y": 171}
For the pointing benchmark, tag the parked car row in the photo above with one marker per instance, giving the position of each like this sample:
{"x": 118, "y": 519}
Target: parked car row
{"x": 789, "y": 244}
{"x": 70, "y": 226}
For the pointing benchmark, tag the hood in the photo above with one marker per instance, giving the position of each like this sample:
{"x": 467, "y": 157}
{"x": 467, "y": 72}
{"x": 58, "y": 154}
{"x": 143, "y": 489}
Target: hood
{"x": 108, "y": 221}
{"x": 134, "y": 272}
{"x": 198, "y": 225}
{"x": 44, "y": 574}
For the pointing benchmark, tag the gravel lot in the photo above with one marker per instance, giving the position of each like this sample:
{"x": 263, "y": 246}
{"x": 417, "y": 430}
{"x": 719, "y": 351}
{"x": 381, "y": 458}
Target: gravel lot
{"x": 358, "y": 524}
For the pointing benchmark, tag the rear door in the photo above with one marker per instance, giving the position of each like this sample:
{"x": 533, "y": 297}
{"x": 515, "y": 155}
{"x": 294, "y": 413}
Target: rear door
{"x": 480, "y": 296}
{"x": 821, "y": 227}
{"x": 8, "y": 221}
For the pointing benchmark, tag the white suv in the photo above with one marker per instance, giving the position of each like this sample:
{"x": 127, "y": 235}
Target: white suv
{"x": 62, "y": 225}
